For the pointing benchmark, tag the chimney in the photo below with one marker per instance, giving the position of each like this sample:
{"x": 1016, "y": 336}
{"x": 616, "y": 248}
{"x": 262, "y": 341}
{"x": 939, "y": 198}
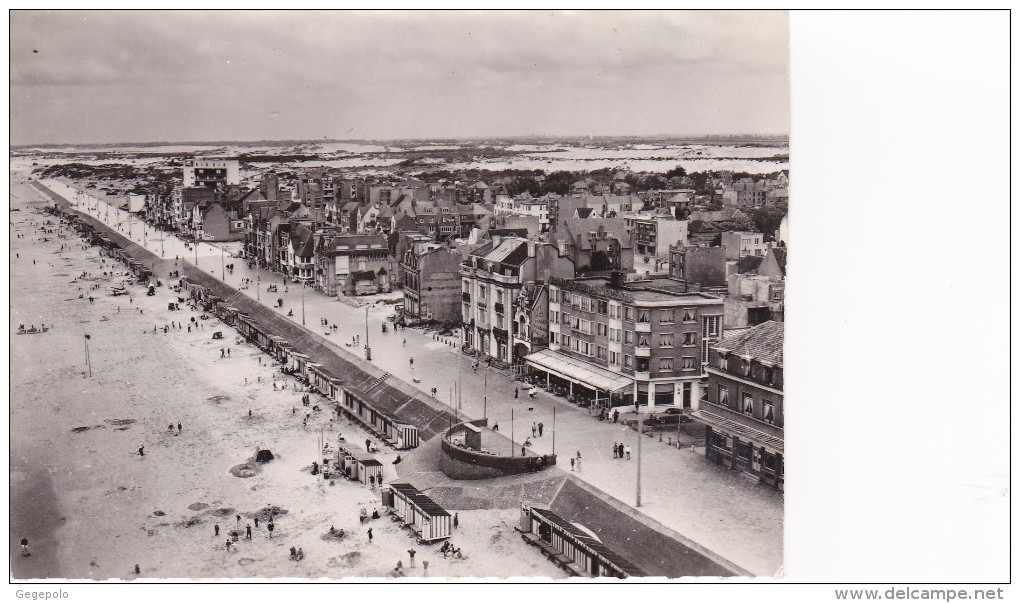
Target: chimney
{"x": 531, "y": 248}
{"x": 616, "y": 278}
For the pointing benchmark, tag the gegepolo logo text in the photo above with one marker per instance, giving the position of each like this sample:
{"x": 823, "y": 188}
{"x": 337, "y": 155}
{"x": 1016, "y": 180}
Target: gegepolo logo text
{"x": 40, "y": 595}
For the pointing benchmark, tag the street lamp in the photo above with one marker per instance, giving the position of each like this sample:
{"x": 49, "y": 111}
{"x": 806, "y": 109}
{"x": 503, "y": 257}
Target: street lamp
{"x": 88, "y": 359}
{"x": 368, "y": 350}
{"x": 222, "y": 266}
{"x": 258, "y": 288}
{"x": 302, "y": 303}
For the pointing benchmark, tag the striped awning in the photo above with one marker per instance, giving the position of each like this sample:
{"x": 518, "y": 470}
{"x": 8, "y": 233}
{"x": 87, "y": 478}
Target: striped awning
{"x": 578, "y": 371}
{"x": 742, "y": 431}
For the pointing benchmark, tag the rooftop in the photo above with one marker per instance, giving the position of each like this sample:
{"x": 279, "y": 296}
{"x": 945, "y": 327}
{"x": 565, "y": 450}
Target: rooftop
{"x": 763, "y": 342}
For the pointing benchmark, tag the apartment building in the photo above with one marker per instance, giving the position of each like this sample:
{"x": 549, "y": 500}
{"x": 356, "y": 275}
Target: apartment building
{"x": 642, "y": 343}
{"x": 743, "y": 412}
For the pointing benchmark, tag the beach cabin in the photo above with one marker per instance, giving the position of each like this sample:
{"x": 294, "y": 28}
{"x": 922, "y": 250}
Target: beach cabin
{"x": 406, "y": 436}
{"x": 367, "y": 465}
{"x": 421, "y": 514}
{"x": 572, "y": 547}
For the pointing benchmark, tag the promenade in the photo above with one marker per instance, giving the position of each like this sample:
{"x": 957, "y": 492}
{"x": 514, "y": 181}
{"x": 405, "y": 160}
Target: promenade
{"x": 711, "y": 506}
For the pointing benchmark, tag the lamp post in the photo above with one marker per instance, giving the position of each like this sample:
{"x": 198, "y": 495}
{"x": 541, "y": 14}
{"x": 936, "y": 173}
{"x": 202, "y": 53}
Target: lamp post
{"x": 641, "y": 427}
{"x": 258, "y": 288}
{"x": 88, "y": 359}
{"x": 223, "y": 276}
{"x": 368, "y": 350}
{"x": 302, "y": 303}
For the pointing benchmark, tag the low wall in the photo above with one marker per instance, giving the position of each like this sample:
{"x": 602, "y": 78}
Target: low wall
{"x": 466, "y": 464}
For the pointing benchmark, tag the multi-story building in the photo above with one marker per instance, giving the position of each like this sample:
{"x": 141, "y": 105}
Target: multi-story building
{"x": 211, "y": 172}
{"x": 493, "y": 276}
{"x": 740, "y": 244}
{"x": 338, "y": 258}
{"x": 743, "y": 412}
{"x": 596, "y": 244}
{"x": 653, "y": 235}
{"x": 618, "y": 343}
{"x": 432, "y": 283}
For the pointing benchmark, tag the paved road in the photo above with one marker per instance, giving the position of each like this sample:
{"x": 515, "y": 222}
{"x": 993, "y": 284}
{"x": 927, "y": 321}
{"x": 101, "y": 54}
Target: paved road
{"x": 724, "y": 512}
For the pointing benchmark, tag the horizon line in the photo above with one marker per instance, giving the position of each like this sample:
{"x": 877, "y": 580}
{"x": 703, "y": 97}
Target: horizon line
{"x": 785, "y": 137}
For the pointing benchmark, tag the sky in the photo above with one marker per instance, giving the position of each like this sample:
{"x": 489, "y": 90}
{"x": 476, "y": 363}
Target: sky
{"x": 142, "y": 76}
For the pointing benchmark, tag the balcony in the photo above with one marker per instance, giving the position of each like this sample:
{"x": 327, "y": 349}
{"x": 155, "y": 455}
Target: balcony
{"x": 643, "y": 327}
{"x": 642, "y": 351}
{"x": 642, "y": 375}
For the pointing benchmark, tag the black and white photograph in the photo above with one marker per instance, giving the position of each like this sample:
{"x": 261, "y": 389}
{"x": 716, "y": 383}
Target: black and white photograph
{"x": 428, "y": 296}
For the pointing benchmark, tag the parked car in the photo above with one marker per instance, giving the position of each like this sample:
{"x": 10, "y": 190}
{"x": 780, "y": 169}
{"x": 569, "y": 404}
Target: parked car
{"x": 672, "y": 415}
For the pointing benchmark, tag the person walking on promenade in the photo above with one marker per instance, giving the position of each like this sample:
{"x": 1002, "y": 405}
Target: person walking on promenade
{"x": 370, "y": 535}
{"x": 534, "y": 429}
{"x": 615, "y": 450}
{"x": 456, "y": 520}
{"x": 616, "y": 415}
{"x": 540, "y": 428}
{"x": 626, "y": 450}
{"x": 517, "y": 393}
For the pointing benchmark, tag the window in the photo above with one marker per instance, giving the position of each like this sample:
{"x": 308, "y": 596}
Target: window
{"x": 614, "y": 358}
{"x": 665, "y": 364}
{"x": 710, "y": 326}
{"x": 704, "y": 353}
{"x": 602, "y": 329}
{"x": 666, "y": 316}
{"x": 665, "y": 340}
{"x": 628, "y": 362}
{"x": 643, "y": 315}
{"x": 690, "y": 338}
{"x": 768, "y": 411}
{"x": 724, "y": 395}
{"x": 690, "y": 315}
{"x": 564, "y": 319}
{"x": 643, "y": 340}
{"x": 687, "y": 394}
{"x": 554, "y": 295}
{"x": 748, "y": 404}
{"x": 575, "y": 323}
{"x": 566, "y": 341}
{"x": 602, "y": 307}
{"x": 600, "y": 353}
{"x": 585, "y": 304}
{"x": 719, "y": 441}
{"x": 628, "y": 313}
{"x": 628, "y": 337}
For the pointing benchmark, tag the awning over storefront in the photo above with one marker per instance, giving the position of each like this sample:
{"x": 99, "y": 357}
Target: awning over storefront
{"x": 744, "y": 432}
{"x": 579, "y": 371}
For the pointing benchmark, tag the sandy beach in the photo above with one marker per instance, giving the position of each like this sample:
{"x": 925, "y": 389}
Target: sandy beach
{"x": 93, "y": 507}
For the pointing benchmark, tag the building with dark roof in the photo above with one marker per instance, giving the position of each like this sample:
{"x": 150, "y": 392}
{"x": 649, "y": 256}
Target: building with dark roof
{"x": 338, "y": 258}
{"x": 743, "y": 411}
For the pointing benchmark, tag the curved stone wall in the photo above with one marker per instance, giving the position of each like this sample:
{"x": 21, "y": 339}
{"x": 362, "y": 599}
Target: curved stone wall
{"x": 464, "y": 463}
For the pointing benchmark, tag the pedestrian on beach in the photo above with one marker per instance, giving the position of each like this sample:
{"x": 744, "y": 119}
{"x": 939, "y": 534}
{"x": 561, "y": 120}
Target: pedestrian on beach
{"x": 425, "y": 565}
{"x": 571, "y": 463}
{"x": 256, "y": 521}
{"x": 371, "y": 479}
{"x": 270, "y": 527}
{"x": 540, "y": 428}
{"x": 239, "y": 519}
{"x": 456, "y": 520}
{"x": 24, "y": 547}
{"x": 378, "y": 478}
{"x": 222, "y": 352}
{"x": 247, "y": 529}
{"x": 178, "y": 426}
{"x": 411, "y": 553}
{"x": 141, "y": 450}
{"x": 138, "y": 570}
{"x": 170, "y": 427}
{"x": 370, "y": 535}
{"x": 216, "y": 530}
{"x": 228, "y": 546}
{"x": 228, "y": 352}
{"x": 249, "y": 412}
